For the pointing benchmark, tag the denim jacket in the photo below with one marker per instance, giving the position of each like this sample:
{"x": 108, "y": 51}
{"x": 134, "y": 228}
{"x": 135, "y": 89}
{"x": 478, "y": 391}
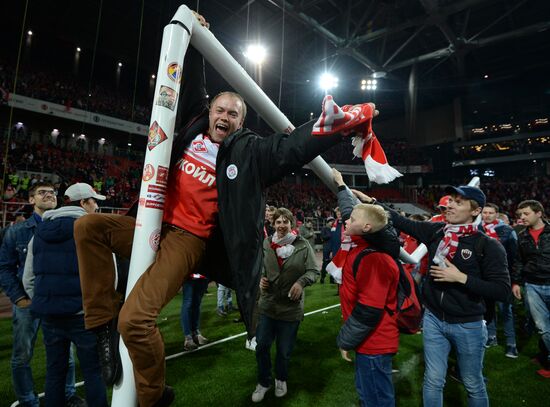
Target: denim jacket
{"x": 12, "y": 258}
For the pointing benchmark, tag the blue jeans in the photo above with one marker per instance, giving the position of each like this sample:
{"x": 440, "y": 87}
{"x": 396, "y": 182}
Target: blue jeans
{"x": 25, "y": 330}
{"x": 284, "y": 333}
{"x": 58, "y": 335}
{"x": 373, "y": 380}
{"x": 224, "y": 297}
{"x": 505, "y": 310}
{"x": 193, "y": 291}
{"x": 538, "y": 297}
{"x": 469, "y": 340}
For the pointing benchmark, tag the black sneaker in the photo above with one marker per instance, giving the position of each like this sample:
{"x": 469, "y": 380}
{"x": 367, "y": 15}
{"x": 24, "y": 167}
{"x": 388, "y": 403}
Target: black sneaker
{"x": 109, "y": 356}
{"x": 511, "y": 352}
{"x": 491, "y": 341}
{"x": 167, "y": 397}
{"x": 75, "y": 401}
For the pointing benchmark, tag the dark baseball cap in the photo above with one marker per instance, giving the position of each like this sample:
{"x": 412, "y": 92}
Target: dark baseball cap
{"x": 468, "y": 192}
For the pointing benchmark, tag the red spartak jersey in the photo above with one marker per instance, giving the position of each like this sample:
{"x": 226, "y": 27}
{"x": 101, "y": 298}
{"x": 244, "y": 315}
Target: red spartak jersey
{"x": 192, "y": 197}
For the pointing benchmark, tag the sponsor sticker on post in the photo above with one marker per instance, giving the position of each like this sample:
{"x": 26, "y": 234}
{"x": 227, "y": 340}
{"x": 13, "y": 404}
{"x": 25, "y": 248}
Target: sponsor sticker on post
{"x": 156, "y": 136}
{"x": 154, "y": 204}
{"x": 174, "y": 72}
{"x": 157, "y": 189}
{"x": 167, "y": 97}
{"x": 162, "y": 175}
{"x": 148, "y": 172}
{"x": 154, "y": 239}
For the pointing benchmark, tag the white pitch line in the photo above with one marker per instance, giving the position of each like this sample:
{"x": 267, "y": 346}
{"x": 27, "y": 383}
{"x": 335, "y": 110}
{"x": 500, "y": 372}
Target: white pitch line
{"x": 208, "y": 345}
{"x": 229, "y": 338}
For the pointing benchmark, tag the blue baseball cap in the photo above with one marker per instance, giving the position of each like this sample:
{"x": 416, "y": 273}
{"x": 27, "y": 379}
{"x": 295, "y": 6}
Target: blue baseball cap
{"x": 468, "y": 192}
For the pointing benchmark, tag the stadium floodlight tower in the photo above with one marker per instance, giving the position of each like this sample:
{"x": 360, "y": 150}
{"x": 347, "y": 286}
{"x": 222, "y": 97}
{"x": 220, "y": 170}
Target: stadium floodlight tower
{"x": 182, "y": 30}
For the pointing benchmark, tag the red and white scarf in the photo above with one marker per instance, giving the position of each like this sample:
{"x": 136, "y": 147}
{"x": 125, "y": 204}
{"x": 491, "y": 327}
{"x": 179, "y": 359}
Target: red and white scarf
{"x": 448, "y": 245}
{"x": 334, "y": 268}
{"x": 357, "y": 119}
{"x": 489, "y": 229}
{"x": 283, "y": 246}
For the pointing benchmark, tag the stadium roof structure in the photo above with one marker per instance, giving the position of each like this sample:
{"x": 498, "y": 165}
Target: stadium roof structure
{"x": 442, "y": 47}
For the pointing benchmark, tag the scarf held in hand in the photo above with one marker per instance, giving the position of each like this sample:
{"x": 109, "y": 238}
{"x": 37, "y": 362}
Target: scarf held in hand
{"x": 357, "y": 119}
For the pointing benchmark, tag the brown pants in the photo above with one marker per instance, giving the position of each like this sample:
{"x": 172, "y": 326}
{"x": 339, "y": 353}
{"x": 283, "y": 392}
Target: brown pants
{"x": 97, "y": 236}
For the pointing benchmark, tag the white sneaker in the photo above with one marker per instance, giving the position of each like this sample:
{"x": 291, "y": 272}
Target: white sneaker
{"x": 250, "y": 344}
{"x": 199, "y": 339}
{"x": 280, "y": 388}
{"x": 259, "y": 393}
{"x": 189, "y": 344}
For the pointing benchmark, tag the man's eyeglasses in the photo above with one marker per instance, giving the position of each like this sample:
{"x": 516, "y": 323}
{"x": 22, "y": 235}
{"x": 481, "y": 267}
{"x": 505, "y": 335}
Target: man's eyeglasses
{"x": 44, "y": 192}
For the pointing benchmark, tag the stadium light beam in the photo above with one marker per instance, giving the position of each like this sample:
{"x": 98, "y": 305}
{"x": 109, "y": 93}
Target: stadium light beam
{"x": 328, "y": 81}
{"x": 256, "y": 53}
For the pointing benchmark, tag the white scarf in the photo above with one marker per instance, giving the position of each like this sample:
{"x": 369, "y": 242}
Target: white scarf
{"x": 287, "y": 248}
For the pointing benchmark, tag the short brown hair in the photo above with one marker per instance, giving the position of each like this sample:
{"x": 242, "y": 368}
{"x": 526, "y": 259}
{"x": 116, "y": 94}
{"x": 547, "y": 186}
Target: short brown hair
{"x": 492, "y": 205}
{"x": 233, "y": 94}
{"x": 375, "y": 214}
{"x": 535, "y": 206}
{"x": 286, "y": 214}
{"x": 32, "y": 190}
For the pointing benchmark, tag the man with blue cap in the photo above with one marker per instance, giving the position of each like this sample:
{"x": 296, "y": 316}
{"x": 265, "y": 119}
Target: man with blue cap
{"x": 466, "y": 267}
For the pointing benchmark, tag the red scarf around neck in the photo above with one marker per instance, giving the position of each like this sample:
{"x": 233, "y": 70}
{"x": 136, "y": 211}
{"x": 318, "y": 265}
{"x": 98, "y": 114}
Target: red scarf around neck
{"x": 489, "y": 229}
{"x": 334, "y": 268}
{"x": 448, "y": 245}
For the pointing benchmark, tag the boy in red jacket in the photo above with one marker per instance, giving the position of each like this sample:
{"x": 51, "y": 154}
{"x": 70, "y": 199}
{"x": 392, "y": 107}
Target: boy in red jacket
{"x": 366, "y": 295}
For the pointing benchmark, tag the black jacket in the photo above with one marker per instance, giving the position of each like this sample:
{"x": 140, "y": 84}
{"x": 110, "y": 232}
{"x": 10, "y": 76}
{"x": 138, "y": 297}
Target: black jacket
{"x": 234, "y": 252}
{"x": 488, "y": 277}
{"x": 532, "y": 264}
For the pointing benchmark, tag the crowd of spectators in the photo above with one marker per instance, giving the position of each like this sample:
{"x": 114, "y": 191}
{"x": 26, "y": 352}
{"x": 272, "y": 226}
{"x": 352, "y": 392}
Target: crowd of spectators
{"x": 116, "y": 177}
{"x": 303, "y": 200}
{"x": 63, "y": 90}
{"x": 119, "y": 178}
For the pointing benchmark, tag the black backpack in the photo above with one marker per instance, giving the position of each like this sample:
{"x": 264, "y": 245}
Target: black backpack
{"x": 409, "y": 309}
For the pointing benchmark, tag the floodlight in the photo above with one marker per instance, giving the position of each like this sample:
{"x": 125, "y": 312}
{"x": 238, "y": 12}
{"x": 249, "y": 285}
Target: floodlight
{"x": 328, "y": 81}
{"x": 256, "y": 53}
